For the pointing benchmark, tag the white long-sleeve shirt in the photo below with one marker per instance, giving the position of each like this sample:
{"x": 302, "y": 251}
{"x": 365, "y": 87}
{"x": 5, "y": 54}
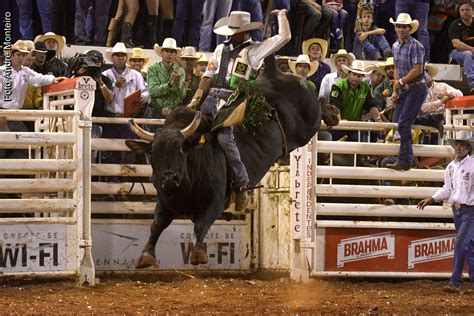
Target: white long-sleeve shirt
{"x": 256, "y": 52}
{"x": 432, "y": 104}
{"x": 134, "y": 81}
{"x": 458, "y": 183}
{"x": 13, "y": 89}
{"x": 326, "y": 85}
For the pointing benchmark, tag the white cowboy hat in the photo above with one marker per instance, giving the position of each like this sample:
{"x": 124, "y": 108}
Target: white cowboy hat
{"x": 118, "y": 48}
{"x": 321, "y": 42}
{"x": 303, "y": 59}
{"x": 431, "y": 69}
{"x": 342, "y": 53}
{"x": 61, "y": 40}
{"x": 358, "y": 67}
{"x": 137, "y": 53}
{"x": 405, "y": 18}
{"x": 189, "y": 52}
{"x": 236, "y": 22}
{"x": 462, "y": 136}
{"x": 202, "y": 58}
{"x": 168, "y": 43}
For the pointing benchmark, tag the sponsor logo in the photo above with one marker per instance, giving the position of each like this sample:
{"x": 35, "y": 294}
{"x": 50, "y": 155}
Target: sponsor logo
{"x": 365, "y": 247}
{"x": 430, "y": 249}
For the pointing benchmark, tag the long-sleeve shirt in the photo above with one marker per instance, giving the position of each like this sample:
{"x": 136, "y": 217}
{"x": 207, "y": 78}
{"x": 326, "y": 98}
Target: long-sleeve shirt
{"x": 162, "y": 94}
{"x": 256, "y": 52}
{"x": 13, "y": 97}
{"x": 134, "y": 81}
{"x": 458, "y": 183}
{"x": 432, "y": 104}
{"x": 326, "y": 85}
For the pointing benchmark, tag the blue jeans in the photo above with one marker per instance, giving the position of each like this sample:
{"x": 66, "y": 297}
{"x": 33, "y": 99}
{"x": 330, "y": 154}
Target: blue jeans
{"x": 418, "y": 10}
{"x": 100, "y": 12}
{"x": 383, "y": 13}
{"x": 188, "y": 16}
{"x": 407, "y": 108}
{"x": 372, "y": 46}
{"x": 339, "y": 19}
{"x": 213, "y": 11}
{"x": 463, "y": 245}
{"x": 254, "y": 7}
{"x": 351, "y": 7}
{"x": 26, "y": 17}
{"x": 225, "y": 137}
{"x": 466, "y": 59}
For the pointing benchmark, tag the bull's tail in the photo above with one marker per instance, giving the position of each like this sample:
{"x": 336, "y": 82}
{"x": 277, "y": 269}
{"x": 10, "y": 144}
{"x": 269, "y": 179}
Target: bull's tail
{"x": 331, "y": 113}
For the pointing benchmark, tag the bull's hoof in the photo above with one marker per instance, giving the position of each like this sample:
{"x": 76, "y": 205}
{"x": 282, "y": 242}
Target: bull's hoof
{"x": 146, "y": 260}
{"x": 199, "y": 255}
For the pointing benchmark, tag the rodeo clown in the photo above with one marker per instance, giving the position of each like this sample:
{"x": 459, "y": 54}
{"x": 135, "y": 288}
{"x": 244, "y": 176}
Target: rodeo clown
{"x": 231, "y": 68}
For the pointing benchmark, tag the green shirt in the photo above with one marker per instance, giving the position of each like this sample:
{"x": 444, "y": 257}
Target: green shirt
{"x": 350, "y": 101}
{"x": 311, "y": 85}
{"x": 161, "y": 93}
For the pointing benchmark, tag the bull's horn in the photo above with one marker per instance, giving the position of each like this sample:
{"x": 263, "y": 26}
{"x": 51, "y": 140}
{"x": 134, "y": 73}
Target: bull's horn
{"x": 191, "y": 128}
{"x": 140, "y": 132}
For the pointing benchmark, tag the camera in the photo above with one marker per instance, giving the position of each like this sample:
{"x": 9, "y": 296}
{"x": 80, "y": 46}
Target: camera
{"x": 88, "y": 64}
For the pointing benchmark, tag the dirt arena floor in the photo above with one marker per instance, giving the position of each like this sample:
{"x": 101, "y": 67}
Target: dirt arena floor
{"x": 177, "y": 293}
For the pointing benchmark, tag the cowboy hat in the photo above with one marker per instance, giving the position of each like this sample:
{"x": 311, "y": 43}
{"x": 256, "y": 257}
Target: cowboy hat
{"x": 236, "y": 22}
{"x": 321, "y": 42}
{"x": 342, "y": 53}
{"x": 137, "y": 53}
{"x": 462, "y": 136}
{"x": 283, "y": 59}
{"x": 358, "y": 67}
{"x": 168, "y": 43}
{"x": 20, "y": 46}
{"x": 405, "y": 19}
{"x": 118, "y": 48}
{"x": 189, "y": 52}
{"x": 61, "y": 40}
{"x": 303, "y": 59}
{"x": 202, "y": 58}
{"x": 388, "y": 63}
{"x": 431, "y": 69}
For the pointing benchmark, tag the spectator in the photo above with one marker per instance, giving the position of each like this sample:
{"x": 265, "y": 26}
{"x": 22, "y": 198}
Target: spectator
{"x": 305, "y": 68}
{"x": 254, "y": 7}
{"x": 283, "y": 63}
{"x": 351, "y": 7}
{"x": 56, "y": 44}
{"x": 461, "y": 34}
{"x": 201, "y": 65}
{"x": 384, "y": 10}
{"x": 409, "y": 87}
{"x": 165, "y": 82}
{"x": 18, "y": 80}
{"x": 188, "y": 17}
{"x": 138, "y": 61}
{"x": 317, "y": 21}
{"x": 316, "y": 49}
{"x": 383, "y": 92}
{"x": 342, "y": 57}
{"x": 39, "y": 55}
{"x": 25, "y": 8}
{"x": 100, "y": 10}
{"x": 370, "y": 42}
{"x": 213, "y": 10}
{"x": 458, "y": 189}
{"x": 418, "y": 9}
{"x": 339, "y": 17}
{"x": 189, "y": 59}
{"x": 352, "y": 96}
{"x": 376, "y": 78}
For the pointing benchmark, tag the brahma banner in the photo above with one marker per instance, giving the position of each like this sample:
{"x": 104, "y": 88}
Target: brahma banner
{"x": 388, "y": 250}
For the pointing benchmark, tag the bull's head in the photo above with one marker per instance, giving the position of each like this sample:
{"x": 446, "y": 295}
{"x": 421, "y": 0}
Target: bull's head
{"x": 168, "y": 153}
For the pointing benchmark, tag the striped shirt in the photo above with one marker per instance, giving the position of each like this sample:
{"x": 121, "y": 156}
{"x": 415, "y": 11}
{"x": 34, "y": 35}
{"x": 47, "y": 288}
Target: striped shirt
{"x": 407, "y": 55}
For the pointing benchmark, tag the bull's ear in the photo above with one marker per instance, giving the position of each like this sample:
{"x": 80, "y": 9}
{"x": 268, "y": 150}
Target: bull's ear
{"x": 138, "y": 147}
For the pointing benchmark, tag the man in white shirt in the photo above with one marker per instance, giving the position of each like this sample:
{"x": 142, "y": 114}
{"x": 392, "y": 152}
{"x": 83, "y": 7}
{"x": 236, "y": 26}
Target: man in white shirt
{"x": 342, "y": 57}
{"x": 14, "y": 79}
{"x": 458, "y": 188}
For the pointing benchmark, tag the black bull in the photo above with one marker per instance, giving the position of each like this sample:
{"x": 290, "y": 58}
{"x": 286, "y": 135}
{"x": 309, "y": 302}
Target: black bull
{"x": 191, "y": 178}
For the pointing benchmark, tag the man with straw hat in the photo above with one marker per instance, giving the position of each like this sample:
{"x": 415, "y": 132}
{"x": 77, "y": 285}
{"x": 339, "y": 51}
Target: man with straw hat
{"x": 352, "y": 96}
{"x": 303, "y": 67}
{"x": 165, "y": 82}
{"x": 189, "y": 59}
{"x": 201, "y": 64}
{"x": 317, "y": 49}
{"x": 233, "y": 66}
{"x": 458, "y": 188}
{"x": 342, "y": 57}
{"x": 54, "y": 43}
{"x": 409, "y": 87}
{"x": 138, "y": 61}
